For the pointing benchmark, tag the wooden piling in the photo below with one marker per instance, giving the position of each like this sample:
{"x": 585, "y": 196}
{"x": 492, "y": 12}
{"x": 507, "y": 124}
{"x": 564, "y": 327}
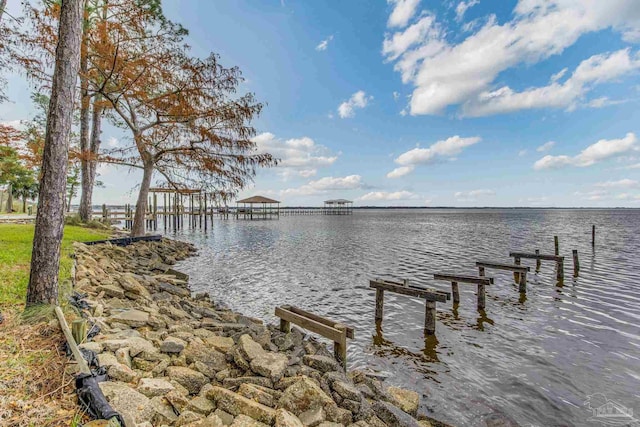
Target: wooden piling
{"x": 538, "y": 261}
{"x": 379, "y": 304}
{"x": 455, "y": 291}
{"x": 430, "y": 318}
{"x": 285, "y": 326}
{"x": 79, "y": 330}
{"x": 523, "y": 283}
{"x": 516, "y": 275}
{"x": 340, "y": 347}
{"x": 576, "y": 263}
{"x": 481, "y": 297}
{"x": 560, "y": 270}
{"x": 556, "y": 244}
{"x": 593, "y": 235}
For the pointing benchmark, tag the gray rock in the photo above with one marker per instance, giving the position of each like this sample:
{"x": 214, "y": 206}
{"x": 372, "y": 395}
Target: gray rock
{"x": 201, "y": 405}
{"x": 285, "y": 418}
{"x": 244, "y": 421}
{"x": 393, "y": 416}
{"x": 250, "y": 349}
{"x": 172, "y": 345}
{"x": 133, "y": 318}
{"x": 313, "y": 417}
{"x": 232, "y": 383}
{"x": 152, "y": 387}
{"x": 187, "y": 418}
{"x": 236, "y": 404}
{"x": 347, "y": 391}
{"x": 198, "y": 352}
{"x": 120, "y": 372}
{"x": 188, "y": 378}
{"x": 271, "y": 365}
{"x": 225, "y": 417}
{"x": 164, "y": 411}
{"x": 321, "y": 363}
{"x": 252, "y": 392}
{"x": 128, "y": 402}
{"x": 304, "y": 395}
{"x": 407, "y": 400}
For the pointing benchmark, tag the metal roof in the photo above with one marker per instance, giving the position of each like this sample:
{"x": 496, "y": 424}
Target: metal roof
{"x": 257, "y": 199}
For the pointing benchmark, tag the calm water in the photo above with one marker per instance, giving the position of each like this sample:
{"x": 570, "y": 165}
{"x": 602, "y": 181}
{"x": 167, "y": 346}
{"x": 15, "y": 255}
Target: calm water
{"x": 534, "y": 360}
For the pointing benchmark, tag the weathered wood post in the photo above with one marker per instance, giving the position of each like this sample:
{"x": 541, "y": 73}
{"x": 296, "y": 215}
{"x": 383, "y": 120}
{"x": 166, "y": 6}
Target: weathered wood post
{"x": 523, "y": 283}
{"x": 481, "y": 296}
{"x": 576, "y": 263}
{"x": 379, "y": 304}
{"x": 79, "y": 330}
{"x": 340, "y": 347}
{"x": 560, "y": 269}
{"x": 430, "y": 317}
{"x": 516, "y": 275}
{"x": 556, "y": 244}
{"x": 456, "y": 291}
{"x": 285, "y": 326}
{"x": 593, "y": 235}
{"x": 538, "y": 261}
{"x": 104, "y": 213}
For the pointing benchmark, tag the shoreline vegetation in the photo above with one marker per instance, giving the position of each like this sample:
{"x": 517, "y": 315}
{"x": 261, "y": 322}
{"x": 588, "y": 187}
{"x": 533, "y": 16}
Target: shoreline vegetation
{"x": 35, "y": 390}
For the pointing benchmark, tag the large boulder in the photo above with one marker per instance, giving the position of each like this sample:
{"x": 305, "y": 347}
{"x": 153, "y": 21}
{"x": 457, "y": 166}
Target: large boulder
{"x": 188, "y": 378}
{"x": 172, "y": 345}
{"x": 133, "y": 406}
{"x": 321, "y": 363}
{"x": 236, "y": 404}
{"x": 270, "y": 365}
{"x": 393, "y": 416}
{"x": 285, "y": 418}
{"x": 407, "y": 400}
{"x": 133, "y": 318}
{"x": 304, "y": 395}
{"x": 198, "y": 352}
{"x": 152, "y": 387}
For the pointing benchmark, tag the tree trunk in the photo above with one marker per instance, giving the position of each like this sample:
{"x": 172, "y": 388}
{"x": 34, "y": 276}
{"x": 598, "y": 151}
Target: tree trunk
{"x": 89, "y": 171}
{"x": 24, "y": 205}
{"x": 45, "y": 259}
{"x": 3, "y": 4}
{"x": 85, "y": 199}
{"x": 9, "y": 198}
{"x": 141, "y": 206}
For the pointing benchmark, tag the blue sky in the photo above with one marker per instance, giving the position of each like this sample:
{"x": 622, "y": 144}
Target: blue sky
{"x": 426, "y": 103}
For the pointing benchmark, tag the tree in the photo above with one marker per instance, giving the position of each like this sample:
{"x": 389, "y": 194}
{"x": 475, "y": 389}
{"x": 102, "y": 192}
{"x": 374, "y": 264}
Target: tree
{"x": 25, "y": 187}
{"x": 45, "y": 260}
{"x": 180, "y": 110}
{"x": 73, "y": 181}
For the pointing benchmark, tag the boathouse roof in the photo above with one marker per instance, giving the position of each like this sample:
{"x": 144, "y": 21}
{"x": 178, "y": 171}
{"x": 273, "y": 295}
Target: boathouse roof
{"x": 257, "y": 199}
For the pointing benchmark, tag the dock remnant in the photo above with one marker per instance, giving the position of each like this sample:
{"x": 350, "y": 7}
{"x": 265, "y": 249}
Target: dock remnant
{"x": 559, "y": 260}
{"x": 516, "y": 268}
{"x": 593, "y": 235}
{"x": 576, "y": 263}
{"x": 480, "y": 281}
{"x": 335, "y": 331}
{"x": 431, "y": 296}
{"x": 556, "y": 245}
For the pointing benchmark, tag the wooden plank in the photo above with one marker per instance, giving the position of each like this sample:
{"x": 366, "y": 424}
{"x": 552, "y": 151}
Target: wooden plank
{"x": 319, "y": 328}
{"x": 405, "y": 284}
{"x": 543, "y": 257}
{"x": 77, "y": 355}
{"x": 461, "y": 278}
{"x": 502, "y": 266}
{"x": 323, "y": 320}
{"x": 428, "y": 294}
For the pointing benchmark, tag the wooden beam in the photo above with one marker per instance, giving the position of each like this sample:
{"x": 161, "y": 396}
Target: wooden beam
{"x": 428, "y": 294}
{"x": 323, "y": 320}
{"x": 502, "y": 266}
{"x": 543, "y": 257}
{"x": 77, "y": 355}
{"x": 461, "y": 278}
{"x": 319, "y": 328}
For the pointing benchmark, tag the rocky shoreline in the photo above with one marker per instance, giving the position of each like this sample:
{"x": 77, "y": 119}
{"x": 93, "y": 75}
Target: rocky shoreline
{"x": 177, "y": 360}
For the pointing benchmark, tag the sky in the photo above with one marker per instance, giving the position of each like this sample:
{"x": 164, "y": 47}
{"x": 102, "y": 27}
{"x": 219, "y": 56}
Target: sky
{"x": 424, "y": 102}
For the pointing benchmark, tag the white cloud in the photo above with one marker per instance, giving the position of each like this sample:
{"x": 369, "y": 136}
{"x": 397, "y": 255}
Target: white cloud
{"x": 401, "y": 171}
{"x": 628, "y": 196}
{"x": 445, "y": 74}
{"x": 298, "y": 156}
{"x": 474, "y": 193}
{"x": 403, "y": 11}
{"x": 522, "y": 153}
{"x": 591, "y": 71}
{"x": 601, "y": 150}
{"x": 396, "y": 95}
{"x": 623, "y": 183}
{"x": 324, "y": 44}
{"x": 357, "y": 100}
{"x": 604, "y": 101}
{"x": 445, "y": 148}
{"x": 546, "y": 146}
{"x": 376, "y": 196}
{"x": 462, "y": 7}
{"x": 324, "y": 185}
{"x": 592, "y": 195}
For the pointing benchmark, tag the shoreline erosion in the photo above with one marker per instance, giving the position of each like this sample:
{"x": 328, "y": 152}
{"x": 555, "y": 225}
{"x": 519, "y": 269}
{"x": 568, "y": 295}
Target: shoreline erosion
{"x": 177, "y": 359}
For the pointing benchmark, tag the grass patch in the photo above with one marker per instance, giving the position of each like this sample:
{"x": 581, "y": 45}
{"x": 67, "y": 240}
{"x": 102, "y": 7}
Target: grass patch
{"x": 35, "y": 389}
{"x": 16, "y": 242}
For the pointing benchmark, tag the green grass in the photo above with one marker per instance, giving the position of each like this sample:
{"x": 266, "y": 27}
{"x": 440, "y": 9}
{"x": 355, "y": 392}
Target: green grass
{"x": 16, "y": 241}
